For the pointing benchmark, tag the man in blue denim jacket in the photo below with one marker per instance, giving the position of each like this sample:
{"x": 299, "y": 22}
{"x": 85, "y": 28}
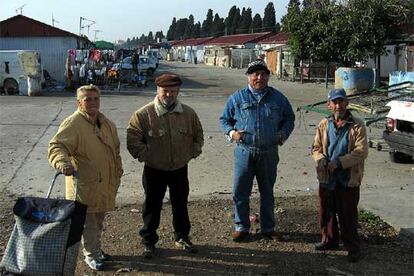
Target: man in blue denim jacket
{"x": 259, "y": 119}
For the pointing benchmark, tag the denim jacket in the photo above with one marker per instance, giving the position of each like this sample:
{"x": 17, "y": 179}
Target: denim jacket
{"x": 267, "y": 123}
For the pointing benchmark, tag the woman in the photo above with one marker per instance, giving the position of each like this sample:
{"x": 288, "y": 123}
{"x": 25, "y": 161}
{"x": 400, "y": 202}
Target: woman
{"x": 87, "y": 142}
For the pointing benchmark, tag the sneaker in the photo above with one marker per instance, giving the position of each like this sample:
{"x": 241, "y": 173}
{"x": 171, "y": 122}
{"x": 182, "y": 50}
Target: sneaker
{"x": 103, "y": 256}
{"x": 321, "y": 246}
{"x": 186, "y": 245}
{"x": 94, "y": 264}
{"x": 149, "y": 250}
{"x": 239, "y": 236}
{"x": 353, "y": 256}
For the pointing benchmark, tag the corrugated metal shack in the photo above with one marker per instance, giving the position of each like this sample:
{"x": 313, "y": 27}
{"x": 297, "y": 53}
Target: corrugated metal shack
{"x": 23, "y": 33}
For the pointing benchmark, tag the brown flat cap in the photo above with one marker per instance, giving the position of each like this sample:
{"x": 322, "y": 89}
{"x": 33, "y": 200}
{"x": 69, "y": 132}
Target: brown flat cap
{"x": 166, "y": 80}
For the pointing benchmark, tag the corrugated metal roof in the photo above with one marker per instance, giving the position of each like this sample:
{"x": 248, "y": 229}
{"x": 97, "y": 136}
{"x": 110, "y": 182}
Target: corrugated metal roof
{"x": 238, "y": 39}
{"x": 279, "y": 38}
{"x": 23, "y": 26}
{"x": 191, "y": 41}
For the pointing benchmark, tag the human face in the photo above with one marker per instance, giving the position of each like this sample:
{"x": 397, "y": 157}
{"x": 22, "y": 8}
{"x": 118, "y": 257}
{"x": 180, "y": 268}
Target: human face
{"x": 258, "y": 80}
{"x": 168, "y": 95}
{"x": 338, "y": 108}
{"x": 89, "y": 103}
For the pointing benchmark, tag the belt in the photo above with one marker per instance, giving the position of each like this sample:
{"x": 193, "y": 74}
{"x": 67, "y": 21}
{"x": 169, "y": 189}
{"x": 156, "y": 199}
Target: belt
{"x": 257, "y": 149}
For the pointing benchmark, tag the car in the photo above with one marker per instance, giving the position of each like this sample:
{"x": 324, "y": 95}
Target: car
{"x": 399, "y": 130}
{"x": 145, "y": 65}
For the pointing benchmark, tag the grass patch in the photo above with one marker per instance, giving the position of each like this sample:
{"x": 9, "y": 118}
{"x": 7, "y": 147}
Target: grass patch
{"x": 370, "y": 218}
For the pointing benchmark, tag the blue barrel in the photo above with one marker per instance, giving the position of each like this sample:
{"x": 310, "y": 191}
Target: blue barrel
{"x": 354, "y": 80}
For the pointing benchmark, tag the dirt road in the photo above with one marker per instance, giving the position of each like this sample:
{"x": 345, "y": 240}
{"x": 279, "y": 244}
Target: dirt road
{"x": 27, "y": 124}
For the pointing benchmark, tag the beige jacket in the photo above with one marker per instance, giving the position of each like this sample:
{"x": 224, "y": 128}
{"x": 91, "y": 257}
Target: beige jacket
{"x": 164, "y": 140}
{"x": 94, "y": 153}
{"x": 357, "y": 149}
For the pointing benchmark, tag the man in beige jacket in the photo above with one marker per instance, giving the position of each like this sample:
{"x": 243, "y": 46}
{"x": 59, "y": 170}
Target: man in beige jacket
{"x": 87, "y": 142}
{"x": 165, "y": 134}
{"x": 340, "y": 148}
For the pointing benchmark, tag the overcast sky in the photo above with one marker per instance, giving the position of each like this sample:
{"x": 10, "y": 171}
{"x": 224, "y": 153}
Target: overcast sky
{"x": 120, "y": 19}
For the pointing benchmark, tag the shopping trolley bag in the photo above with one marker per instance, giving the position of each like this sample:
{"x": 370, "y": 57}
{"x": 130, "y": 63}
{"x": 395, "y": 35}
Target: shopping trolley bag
{"x": 46, "y": 236}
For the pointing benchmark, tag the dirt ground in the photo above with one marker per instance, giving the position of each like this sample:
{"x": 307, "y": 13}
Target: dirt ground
{"x": 384, "y": 252}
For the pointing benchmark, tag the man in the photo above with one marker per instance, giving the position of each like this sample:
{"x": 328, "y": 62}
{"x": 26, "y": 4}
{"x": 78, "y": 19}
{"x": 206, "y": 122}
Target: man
{"x": 259, "y": 119}
{"x": 87, "y": 142}
{"x": 165, "y": 135}
{"x": 339, "y": 148}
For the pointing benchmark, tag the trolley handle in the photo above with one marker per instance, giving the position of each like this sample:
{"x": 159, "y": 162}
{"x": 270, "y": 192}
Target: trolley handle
{"x": 75, "y": 174}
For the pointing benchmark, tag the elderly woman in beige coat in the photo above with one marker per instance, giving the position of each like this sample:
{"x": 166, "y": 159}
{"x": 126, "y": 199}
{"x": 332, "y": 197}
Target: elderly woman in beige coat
{"x": 87, "y": 142}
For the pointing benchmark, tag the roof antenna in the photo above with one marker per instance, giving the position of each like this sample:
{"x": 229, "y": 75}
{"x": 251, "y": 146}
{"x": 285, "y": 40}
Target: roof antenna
{"x": 21, "y": 9}
{"x": 54, "y": 20}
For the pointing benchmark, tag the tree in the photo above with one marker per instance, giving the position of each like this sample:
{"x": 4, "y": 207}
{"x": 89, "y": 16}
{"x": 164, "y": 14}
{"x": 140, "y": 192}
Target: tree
{"x": 256, "y": 25}
{"x": 171, "y": 30}
{"x": 197, "y": 30}
{"x": 207, "y": 24}
{"x": 235, "y": 22}
{"x": 158, "y": 36}
{"x": 217, "y": 26}
{"x": 245, "y": 21}
{"x": 269, "y": 18}
{"x": 189, "y": 27}
{"x": 180, "y": 28}
{"x": 150, "y": 37}
{"x": 228, "y": 22}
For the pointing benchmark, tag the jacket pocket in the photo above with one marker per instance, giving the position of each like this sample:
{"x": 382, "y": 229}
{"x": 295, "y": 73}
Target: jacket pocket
{"x": 246, "y": 109}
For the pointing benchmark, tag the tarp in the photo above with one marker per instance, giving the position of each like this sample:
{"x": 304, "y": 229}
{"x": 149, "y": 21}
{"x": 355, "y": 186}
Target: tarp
{"x": 104, "y": 45}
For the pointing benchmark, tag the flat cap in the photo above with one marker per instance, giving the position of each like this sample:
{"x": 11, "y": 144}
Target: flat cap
{"x": 258, "y": 64}
{"x": 167, "y": 80}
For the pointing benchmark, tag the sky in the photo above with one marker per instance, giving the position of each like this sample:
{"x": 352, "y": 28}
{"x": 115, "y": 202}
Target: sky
{"x": 121, "y": 19}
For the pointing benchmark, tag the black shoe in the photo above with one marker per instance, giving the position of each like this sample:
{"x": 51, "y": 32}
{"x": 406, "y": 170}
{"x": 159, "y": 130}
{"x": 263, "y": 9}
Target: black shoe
{"x": 325, "y": 246}
{"x": 149, "y": 250}
{"x": 353, "y": 256}
{"x": 240, "y": 236}
{"x": 273, "y": 235}
{"x": 186, "y": 245}
{"x": 103, "y": 256}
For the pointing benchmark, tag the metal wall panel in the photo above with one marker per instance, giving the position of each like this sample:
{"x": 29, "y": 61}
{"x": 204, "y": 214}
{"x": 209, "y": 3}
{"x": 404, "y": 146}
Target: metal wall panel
{"x": 53, "y": 51}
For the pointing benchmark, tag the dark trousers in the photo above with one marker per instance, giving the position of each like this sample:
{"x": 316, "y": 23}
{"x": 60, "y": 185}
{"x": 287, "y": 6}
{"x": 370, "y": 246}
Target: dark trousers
{"x": 155, "y": 184}
{"x": 341, "y": 202}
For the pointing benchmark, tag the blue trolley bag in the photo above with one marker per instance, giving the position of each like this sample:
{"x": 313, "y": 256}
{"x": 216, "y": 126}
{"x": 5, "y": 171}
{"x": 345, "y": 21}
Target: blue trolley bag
{"x": 46, "y": 236}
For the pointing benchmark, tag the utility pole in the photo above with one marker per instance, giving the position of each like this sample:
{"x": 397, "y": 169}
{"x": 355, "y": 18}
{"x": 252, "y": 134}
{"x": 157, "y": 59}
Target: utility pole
{"x": 81, "y": 26}
{"x": 96, "y": 31}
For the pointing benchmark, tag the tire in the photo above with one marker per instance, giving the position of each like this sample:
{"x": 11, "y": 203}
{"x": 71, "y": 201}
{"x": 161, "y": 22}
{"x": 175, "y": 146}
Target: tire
{"x": 150, "y": 71}
{"x": 11, "y": 87}
{"x": 399, "y": 157}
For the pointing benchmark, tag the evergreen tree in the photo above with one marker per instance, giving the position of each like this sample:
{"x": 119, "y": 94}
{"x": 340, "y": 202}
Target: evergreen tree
{"x": 189, "y": 27}
{"x": 256, "y": 24}
{"x": 235, "y": 22}
{"x": 150, "y": 37}
{"x": 180, "y": 28}
{"x": 218, "y": 26}
{"x": 229, "y": 20}
{"x": 245, "y": 21}
{"x": 207, "y": 24}
{"x": 269, "y": 18}
{"x": 196, "y": 30}
{"x": 158, "y": 36}
{"x": 171, "y": 30}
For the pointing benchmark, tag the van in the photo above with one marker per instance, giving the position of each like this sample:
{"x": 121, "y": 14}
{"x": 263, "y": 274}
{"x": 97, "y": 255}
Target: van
{"x": 17, "y": 69}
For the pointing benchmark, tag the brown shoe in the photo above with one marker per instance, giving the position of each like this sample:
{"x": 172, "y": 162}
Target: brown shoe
{"x": 239, "y": 236}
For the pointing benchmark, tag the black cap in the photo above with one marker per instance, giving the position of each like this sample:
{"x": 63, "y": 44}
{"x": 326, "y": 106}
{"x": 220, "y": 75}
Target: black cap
{"x": 257, "y": 65}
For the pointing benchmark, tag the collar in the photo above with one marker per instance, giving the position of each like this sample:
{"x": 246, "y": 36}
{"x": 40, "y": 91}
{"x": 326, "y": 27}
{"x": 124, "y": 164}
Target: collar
{"x": 161, "y": 110}
{"x": 254, "y": 91}
{"x": 349, "y": 118}
{"x": 88, "y": 118}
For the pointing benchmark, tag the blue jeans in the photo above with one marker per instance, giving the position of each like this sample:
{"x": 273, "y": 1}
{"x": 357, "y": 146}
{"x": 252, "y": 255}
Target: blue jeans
{"x": 250, "y": 163}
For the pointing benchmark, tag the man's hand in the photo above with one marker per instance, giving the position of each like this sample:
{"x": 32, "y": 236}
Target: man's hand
{"x": 321, "y": 167}
{"x": 237, "y": 136}
{"x": 68, "y": 170}
{"x": 332, "y": 165}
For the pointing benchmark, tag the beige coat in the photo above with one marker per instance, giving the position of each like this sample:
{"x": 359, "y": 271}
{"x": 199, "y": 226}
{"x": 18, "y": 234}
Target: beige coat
{"x": 357, "y": 149}
{"x": 164, "y": 140}
{"x": 94, "y": 153}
